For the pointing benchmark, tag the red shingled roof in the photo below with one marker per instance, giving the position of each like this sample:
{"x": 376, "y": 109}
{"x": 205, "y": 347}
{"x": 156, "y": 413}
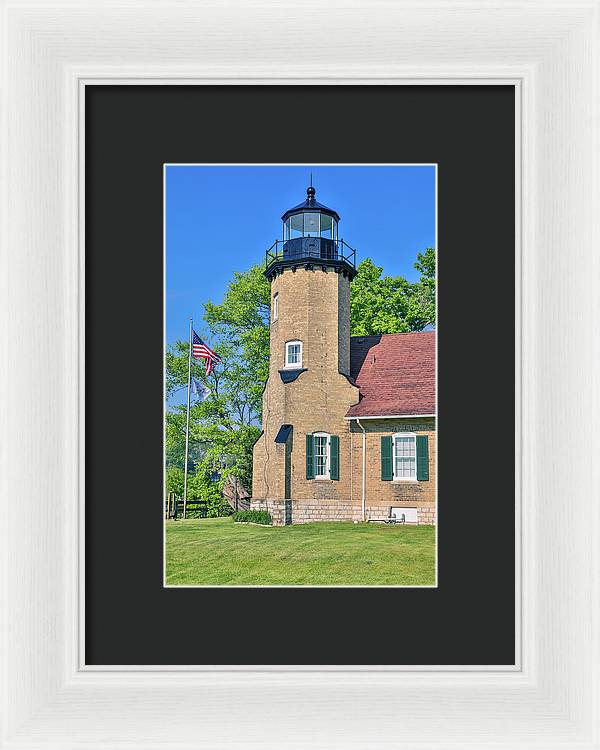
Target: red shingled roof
{"x": 395, "y": 373}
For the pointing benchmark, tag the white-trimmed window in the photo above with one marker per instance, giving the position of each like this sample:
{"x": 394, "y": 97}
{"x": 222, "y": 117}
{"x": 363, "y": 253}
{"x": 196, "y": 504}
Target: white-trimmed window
{"x": 405, "y": 456}
{"x": 293, "y": 354}
{"x": 275, "y": 306}
{"x": 321, "y": 448}
{"x": 322, "y": 456}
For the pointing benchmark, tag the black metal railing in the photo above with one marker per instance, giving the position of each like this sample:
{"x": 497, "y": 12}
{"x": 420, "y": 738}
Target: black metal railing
{"x": 310, "y": 249}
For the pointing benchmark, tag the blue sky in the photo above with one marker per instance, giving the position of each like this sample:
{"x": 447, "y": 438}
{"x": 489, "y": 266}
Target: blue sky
{"x": 222, "y": 219}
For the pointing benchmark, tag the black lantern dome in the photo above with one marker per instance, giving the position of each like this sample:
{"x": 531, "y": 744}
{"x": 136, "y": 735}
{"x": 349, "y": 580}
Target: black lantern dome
{"x": 310, "y": 240}
{"x": 304, "y": 210}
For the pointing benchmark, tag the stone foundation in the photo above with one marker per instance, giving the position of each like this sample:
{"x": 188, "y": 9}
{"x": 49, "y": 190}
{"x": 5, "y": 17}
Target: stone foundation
{"x": 307, "y": 511}
{"x": 314, "y": 510}
{"x": 427, "y": 516}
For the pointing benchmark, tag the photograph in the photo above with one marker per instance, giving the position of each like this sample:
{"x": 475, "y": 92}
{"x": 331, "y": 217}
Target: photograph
{"x": 300, "y": 375}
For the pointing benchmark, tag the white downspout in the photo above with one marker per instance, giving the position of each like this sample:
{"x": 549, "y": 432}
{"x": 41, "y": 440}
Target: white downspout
{"x": 364, "y": 469}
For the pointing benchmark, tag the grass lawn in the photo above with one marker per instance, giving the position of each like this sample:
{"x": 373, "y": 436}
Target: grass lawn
{"x": 218, "y": 551}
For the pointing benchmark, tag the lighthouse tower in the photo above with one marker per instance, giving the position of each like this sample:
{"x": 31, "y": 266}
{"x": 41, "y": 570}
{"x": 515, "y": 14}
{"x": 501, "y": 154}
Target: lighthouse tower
{"x": 303, "y": 454}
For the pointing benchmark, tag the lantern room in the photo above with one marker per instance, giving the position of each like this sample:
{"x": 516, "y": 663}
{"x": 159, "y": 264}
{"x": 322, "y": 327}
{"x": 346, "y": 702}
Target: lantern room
{"x": 310, "y": 239}
{"x": 310, "y": 219}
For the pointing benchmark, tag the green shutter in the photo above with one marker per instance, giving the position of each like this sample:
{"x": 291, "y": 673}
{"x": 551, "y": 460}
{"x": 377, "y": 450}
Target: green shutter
{"x": 310, "y": 461}
{"x": 422, "y": 458}
{"x": 334, "y": 457}
{"x": 386, "y": 458}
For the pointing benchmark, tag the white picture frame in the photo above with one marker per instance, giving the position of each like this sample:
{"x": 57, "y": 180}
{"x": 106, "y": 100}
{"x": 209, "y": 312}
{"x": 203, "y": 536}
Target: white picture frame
{"x": 549, "y": 51}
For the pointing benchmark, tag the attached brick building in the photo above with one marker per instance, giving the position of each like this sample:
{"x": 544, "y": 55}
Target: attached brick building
{"x": 348, "y": 422}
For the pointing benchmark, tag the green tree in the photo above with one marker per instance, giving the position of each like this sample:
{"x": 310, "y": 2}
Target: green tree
{"x": 241, "y": 323}
{"x": 422, "y": 306}
{"x": 391, "y": 304}
{"x": 174, "y": 480}
{"x": 377, "y": 305}
{"x": 202, "y": 487}
{"x": 225, "y": 426}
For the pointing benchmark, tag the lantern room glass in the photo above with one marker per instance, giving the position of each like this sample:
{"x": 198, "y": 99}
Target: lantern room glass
{"x": 327, "y": 226}
{"x": 296, "y": 226}
{"x": 310, "y": 224}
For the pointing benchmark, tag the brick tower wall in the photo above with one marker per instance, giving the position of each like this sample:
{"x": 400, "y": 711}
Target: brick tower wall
{"x": 314, "y": 307}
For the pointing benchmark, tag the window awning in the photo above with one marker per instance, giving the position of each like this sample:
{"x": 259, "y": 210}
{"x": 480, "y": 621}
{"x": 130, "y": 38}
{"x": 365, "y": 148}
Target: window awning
{"x": 283, "y": 434}
{"x": 288, "y": 375}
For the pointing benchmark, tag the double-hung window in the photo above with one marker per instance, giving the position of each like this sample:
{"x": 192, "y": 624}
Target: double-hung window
{"x": 293, "y": 354}
{"x": 321, "y": 443}
{"x": 405, "y": 456}
{"x": 322, "y": 456}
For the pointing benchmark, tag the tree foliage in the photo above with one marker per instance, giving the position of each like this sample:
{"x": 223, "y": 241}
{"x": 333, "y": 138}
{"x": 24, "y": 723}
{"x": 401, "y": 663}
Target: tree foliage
{"x": 174, "y": 479}
{"x": 224, "y": 427}
{"x": 424, "y": 301}
{"x": 391, "y": 304}
{"x": 202, "y": 488}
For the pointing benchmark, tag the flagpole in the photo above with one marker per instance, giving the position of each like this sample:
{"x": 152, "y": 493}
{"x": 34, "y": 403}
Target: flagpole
{"x": 187, "y": 424}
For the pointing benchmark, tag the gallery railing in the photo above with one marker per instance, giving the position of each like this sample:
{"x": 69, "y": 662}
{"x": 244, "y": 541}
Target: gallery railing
{"x": 310, "y": 249}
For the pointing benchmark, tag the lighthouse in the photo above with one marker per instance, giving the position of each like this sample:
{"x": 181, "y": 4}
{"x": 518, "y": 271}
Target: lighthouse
{"x": 299, "y": 456}
{"x": 348, "y": 422}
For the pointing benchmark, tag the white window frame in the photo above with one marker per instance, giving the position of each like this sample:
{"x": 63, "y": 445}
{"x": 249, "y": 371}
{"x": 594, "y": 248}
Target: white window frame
{"x": 394, "y": 438}
{"x": 288, "y": 364}
{"x": 275, "y": 306}
{"x": 327, "y": 474}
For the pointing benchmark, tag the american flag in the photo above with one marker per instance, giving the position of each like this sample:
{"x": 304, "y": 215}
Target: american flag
{"x": 203, "y": 351}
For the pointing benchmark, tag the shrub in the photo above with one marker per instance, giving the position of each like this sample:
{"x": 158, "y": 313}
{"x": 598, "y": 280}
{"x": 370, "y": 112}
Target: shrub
{"x": 253, "y": 516}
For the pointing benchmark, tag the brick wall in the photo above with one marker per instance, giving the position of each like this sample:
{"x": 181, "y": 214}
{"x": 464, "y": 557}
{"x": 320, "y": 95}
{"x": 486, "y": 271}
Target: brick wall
{"x": 381, "y": 495}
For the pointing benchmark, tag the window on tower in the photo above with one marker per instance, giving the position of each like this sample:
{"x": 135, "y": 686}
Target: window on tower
{"x": 293, "y": 354}
{"x": 275, "y": 306}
